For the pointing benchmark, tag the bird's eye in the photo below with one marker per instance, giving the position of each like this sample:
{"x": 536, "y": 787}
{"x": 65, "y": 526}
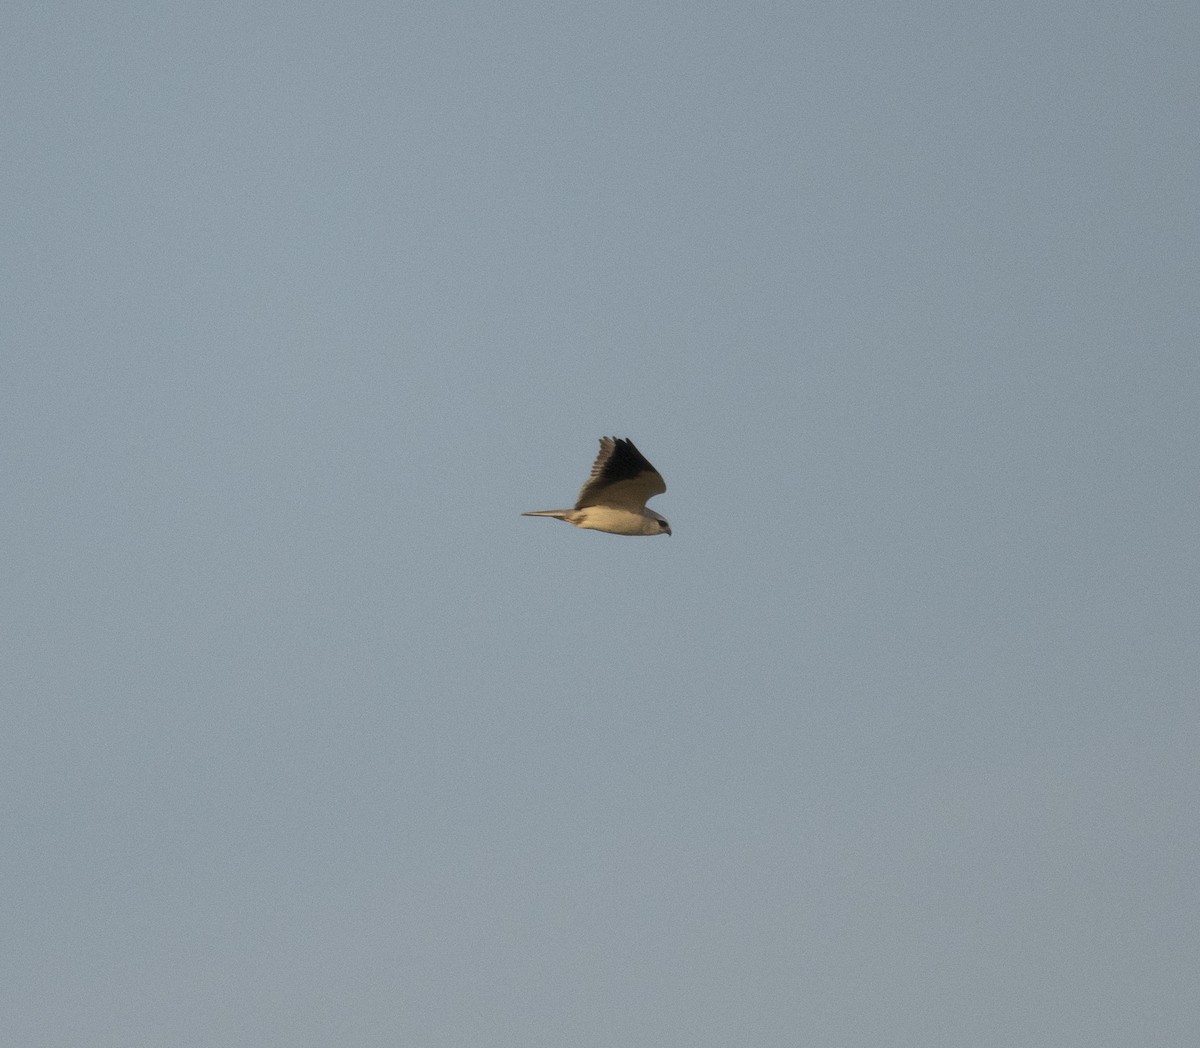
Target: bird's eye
{"x": 662, "y": 524}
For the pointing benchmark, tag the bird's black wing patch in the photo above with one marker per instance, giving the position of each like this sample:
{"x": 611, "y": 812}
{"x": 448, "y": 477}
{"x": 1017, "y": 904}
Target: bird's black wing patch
{"x": 620, "y": 463}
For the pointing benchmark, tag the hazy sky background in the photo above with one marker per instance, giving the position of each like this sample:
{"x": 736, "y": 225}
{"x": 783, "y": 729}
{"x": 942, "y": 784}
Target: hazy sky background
{"x": 308, "y": 738}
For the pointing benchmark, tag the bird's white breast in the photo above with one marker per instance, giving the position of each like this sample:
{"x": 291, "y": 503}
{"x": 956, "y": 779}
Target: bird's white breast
{"x": 613, "y": 520}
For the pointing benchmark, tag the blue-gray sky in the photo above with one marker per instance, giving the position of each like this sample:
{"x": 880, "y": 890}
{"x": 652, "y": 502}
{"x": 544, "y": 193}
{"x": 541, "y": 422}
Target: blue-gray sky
{"x": 309, "y": 738}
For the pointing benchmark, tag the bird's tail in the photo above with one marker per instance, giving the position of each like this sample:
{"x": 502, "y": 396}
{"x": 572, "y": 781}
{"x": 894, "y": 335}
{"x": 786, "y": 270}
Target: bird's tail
{"x": 557, "y": 514}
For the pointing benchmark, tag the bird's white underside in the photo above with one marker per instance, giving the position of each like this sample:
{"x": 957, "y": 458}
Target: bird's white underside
{"x": 612, "y": 519}
{"x": 615, "y": 520}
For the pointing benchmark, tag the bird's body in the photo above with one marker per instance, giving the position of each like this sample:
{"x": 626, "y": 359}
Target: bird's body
{"x": 614, "y": 497}
{"x": 603, "y": 518}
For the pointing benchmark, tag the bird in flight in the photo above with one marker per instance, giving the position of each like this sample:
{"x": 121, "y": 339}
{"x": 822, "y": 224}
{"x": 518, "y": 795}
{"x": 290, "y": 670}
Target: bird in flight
{"x": 614, "y": 497}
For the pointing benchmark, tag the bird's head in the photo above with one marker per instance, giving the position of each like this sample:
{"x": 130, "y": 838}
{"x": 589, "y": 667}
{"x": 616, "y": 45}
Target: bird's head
{"x": 658, "y": 525}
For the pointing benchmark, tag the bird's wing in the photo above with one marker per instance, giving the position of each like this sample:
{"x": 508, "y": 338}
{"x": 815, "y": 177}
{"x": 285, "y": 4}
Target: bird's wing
{"x": 620, "y": 476}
